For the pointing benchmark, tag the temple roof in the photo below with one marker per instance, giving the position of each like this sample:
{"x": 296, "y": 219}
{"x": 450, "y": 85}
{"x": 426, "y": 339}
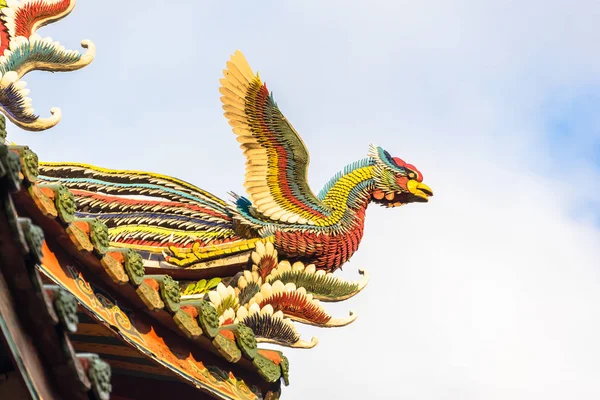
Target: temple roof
{"x": 166, "y": 285}
{"x": 36, "y": 318}
{"x": 133, "y": 310}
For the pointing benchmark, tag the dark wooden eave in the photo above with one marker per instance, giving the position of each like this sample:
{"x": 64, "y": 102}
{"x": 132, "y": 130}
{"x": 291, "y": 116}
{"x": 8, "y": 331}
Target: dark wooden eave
{"x": 33, "y": 326}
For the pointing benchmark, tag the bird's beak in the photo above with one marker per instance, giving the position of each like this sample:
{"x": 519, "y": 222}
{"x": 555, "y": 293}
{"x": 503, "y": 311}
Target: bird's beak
{"x": 419, "y": 189}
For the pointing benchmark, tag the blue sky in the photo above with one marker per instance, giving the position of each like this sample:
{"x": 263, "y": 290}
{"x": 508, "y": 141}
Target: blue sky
{"x": 573, "y": 125}
{"x": 491, "y": 290}
{"x": 573, "y": 137}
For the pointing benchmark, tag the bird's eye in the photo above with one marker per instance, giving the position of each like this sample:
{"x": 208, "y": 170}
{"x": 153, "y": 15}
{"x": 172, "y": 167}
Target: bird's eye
{"x": 411, "y": 175}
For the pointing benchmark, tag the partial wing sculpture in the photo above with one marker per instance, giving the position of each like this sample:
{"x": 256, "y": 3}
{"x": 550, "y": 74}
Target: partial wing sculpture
{"x": 22, "y": 50}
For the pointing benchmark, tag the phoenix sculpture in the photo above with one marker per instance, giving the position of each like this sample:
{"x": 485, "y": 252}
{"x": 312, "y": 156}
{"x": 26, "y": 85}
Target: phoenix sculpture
{"x": 273, "y": 252}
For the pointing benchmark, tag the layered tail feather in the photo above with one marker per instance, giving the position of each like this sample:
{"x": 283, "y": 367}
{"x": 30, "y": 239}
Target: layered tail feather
{"x": 146, "y": 211}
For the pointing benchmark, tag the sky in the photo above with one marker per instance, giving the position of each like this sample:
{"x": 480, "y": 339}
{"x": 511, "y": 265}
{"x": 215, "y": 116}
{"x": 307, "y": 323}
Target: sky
{"x": 489, "y": 291}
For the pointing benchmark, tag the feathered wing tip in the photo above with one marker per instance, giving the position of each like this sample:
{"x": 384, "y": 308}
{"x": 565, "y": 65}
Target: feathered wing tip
{"x": 224, "y": 298}
{"x": 271, "y": 326}
{"x": 296, "y": 304}
{"x": 269, "y": 309}
{"x": 23, "y": 18}
{"x": 264, "y": 259}
{"x": 323, "y": 286}
{"x": 260, "y": 290}
{"x": 296, "y": 289}
{"x": 373, "y": 151}
{"x": 238, "y": 63}
{"x": 22, "y": 51}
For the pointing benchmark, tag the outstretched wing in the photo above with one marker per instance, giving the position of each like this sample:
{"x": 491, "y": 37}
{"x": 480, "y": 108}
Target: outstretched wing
{"x": 277, "y": 159}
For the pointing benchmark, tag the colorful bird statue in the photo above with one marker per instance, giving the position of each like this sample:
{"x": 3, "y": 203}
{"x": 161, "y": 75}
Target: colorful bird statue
{"x": 190, "y": 225}
{"x": 274, "y": 250}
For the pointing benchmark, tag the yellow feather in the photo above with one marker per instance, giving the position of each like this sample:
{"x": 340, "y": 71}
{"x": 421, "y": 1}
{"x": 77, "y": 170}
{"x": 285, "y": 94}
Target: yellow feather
{"x": 251, "y": 152}
{"x": 258, "y": 189}
{"x": 254, "y": 186}
{"x": 234, "y": 76}
{"x": 257, "y": 184}
{"x": 253, "y": 178}
{"x": 231, "y": 93}
{"x": 277, "y": 215}
{"x": 257, "y": 159}
{"x": 271, "y": 210}
{"x": 233, "y": 108}
{"x": 245, "y": 133}
{"x": 236, "y": 124}
{"x": 262, "y": 165}
{"x": 252, "y": 170}
{"x": 236, "y": 91}
{"x": 242, "y": 64}
{"x": 237, "y": 73}
{"x": 253, "y": 182}
{"x": 256, "y": 169}
{"x": 245, "y": 138}
{"x": 235, "y": 117}
{"x": 233, "y": 84}
{"x": 255, "y": 146}
{"x": 262, "y": 202}
{"x": 261, "y": 196}
{"x": 262, "y": 171}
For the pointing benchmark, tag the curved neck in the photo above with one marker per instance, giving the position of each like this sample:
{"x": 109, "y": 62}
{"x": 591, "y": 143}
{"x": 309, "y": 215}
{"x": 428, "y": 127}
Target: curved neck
{"x": 348, "y": 193}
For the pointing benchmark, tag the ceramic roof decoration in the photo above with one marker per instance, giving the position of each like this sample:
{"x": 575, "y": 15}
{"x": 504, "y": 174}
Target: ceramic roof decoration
{"x": 137, "y": 321}
{"x": 178, "y": 286}
{"x": 37, "y": 317}
{"x": 22, "y": 50}
{"x": 275, "y": 250}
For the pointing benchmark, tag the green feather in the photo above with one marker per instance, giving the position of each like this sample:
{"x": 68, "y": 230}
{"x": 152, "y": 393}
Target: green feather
{"x": 320, "y": 285}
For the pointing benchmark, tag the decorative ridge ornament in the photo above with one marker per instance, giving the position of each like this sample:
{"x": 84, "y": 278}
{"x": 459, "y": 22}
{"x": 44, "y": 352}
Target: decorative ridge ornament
{"x": 22, "y": 50}
{"x": 262, "y": 262}
{"x": 182, "y": 225}
{"x": 228, "y": 276}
